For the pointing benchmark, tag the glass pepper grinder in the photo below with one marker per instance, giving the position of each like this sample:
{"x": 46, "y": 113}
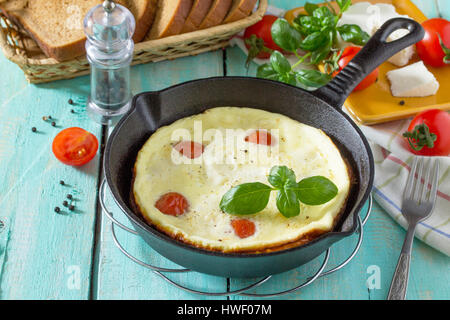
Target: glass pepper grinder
{"x": 109, "y": 28}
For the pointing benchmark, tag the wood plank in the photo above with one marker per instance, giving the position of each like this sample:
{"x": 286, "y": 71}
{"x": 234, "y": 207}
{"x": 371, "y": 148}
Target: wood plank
{"x": 381, "y": 246}
{"x": 43, "y": 253}
{"x": 117, "y": 277}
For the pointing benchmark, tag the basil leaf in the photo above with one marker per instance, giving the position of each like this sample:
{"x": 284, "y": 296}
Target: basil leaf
{"x": 247, "y": 198}
{"x": 307, "y": 25}
{"x": 344, "y": 4}
{"x": 279, "y": 62}
{"x": 310, "y": 7}
{"x": 316, "y": 190}
{"x": 328, "y": 22}
{"x": 311, "y": 79}
{"x": 322, "y": 12}
{"x": 280, "y": 175}
{"x": 353, "y": 33}
{"x": 320, "y": 54}
{"x": 288, "y": 78}
{"x": 287, "y": 202}
{"x": 285, "y": 36}
{"x": 266, "y": 71}
{"x": 314, "y": 41}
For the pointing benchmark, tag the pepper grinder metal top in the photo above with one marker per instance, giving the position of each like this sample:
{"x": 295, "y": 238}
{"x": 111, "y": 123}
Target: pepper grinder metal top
{"x": 109, "y": 28}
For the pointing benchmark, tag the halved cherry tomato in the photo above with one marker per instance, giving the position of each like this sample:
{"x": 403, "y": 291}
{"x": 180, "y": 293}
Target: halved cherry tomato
{"x": 189, "y": 149}
{"x": 260, "y": 137}
{"x": 243, "y": 228}
{"x": 429, "y": 48}
{"x": 74, "y": 146}
{"x": 348, "y": 54}
{"x": 172, "y": 203}
{"x": 438, "y": 123}
{"x": 262, "y": 30}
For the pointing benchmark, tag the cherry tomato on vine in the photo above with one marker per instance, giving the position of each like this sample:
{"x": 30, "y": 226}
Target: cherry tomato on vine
{"x": 348, "y": 54}
{"x": 429, "y": 133}
{"x": 74, "y": 146}
{"x": 430, "y": 48}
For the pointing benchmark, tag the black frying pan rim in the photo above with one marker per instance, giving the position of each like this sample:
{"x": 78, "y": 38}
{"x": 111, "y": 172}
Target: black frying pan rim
{"x": 135, "y": 219}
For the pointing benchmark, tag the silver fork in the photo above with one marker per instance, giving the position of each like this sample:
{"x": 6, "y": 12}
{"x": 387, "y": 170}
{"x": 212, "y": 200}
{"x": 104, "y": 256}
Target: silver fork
{"x": 417, "y": 205}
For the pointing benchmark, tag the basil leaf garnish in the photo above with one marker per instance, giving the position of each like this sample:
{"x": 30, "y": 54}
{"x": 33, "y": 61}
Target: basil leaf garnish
{"x": 280, "y": 175}
{"x": 279, "y": 63}
{"x": 316, "y": 190}
{"x": 266, "y": 71}
{"x": 287, "y": 202}
{"x": 353, "y": 33}
{"x": 311, "y": 79}
{"x": 322, "y": 12}
{"x": 307, "y": 24}
{"x": 314, "y": 41}
{"x": 250, "y": 198}
{"x": 247, "y": 198}
{"x": 285, "y": 36}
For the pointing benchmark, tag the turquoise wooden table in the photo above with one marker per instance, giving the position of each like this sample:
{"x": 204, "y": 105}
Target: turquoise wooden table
{"x": 44, "y": 255}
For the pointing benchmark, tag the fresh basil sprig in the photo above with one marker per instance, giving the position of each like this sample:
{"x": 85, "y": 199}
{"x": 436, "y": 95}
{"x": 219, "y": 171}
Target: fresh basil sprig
{"x": 315, "y": 34}
{"x": 250, "y": 198}
{"x": 280, "y": 69}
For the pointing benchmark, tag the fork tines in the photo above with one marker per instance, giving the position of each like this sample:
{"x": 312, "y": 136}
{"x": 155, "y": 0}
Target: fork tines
{"x": 417, "y": 186}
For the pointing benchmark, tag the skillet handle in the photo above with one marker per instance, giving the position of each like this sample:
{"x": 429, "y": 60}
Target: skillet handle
{"x": 374, "y": 53}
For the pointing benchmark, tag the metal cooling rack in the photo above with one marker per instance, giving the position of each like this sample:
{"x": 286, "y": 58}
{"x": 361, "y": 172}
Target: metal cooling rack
{"x": 242, "y": 291}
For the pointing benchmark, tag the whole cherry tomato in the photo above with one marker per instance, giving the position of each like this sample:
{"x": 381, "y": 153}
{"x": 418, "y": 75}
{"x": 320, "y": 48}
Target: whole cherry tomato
{"x": 74, "y": 146}
{"x": 429, "y": 48}
{"x": 429, "y": 133}
{"x": 347, "y": 55}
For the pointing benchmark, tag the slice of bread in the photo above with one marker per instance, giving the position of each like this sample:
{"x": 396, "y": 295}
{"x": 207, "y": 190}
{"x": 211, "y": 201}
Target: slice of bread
{"x": 240, "y": 10}
{"x": 198, "y": 12}
{"x": 170, "y": 18}
{"x": 144, "y": 12}
{"x": 216, "y": 13}
{"x": 57, "y": 25}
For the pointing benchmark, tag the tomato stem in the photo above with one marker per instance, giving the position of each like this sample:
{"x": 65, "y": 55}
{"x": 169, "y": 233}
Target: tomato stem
{"x": 420, "y": 137}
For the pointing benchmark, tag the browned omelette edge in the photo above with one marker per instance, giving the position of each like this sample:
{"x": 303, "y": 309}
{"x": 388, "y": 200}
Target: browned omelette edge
{"x": 301, "y": 240}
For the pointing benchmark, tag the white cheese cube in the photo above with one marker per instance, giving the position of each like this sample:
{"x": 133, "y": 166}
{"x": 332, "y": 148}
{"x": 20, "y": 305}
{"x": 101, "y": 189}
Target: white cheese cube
{"x": 370, "y": 18}
{"x": 413, "y": 81}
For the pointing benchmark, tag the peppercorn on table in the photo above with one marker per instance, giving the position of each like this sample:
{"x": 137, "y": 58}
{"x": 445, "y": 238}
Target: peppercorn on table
{"x": 70, "y": 254}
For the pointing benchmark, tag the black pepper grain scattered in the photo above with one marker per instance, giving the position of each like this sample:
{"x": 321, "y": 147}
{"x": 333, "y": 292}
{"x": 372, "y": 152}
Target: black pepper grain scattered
{"x": 49, "y": 117}
{"x": 69, "y": 196}
{"x": 61, "y": 182}
{"x": 65, "y": 203}
{"x": 401, "y": 102}
{"x": 57, "y": 209}
{"x": 70, "y": 101}
{"x": 72, "y": 111}
{"x": 53, "y": 123}
{"x": 34, "y": 129}
{"x": 71, "y": 207}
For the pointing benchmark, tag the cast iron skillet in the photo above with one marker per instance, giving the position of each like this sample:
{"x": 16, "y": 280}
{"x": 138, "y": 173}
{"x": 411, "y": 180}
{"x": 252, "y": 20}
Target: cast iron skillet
{"x": 320, "y": 109}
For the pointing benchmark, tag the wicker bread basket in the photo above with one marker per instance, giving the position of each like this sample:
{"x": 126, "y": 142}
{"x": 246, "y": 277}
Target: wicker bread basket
{"x": 21, "y": 49}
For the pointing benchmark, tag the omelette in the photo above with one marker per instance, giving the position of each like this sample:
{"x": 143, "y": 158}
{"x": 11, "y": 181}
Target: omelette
{"x": 184, "y": 169}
